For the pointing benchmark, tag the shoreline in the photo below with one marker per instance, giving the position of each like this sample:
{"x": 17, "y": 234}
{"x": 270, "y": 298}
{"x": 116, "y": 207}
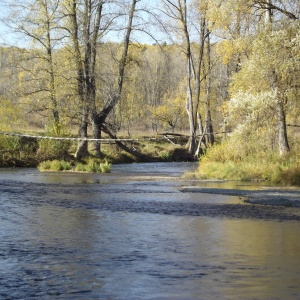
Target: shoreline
{"x": 271, "y": 196}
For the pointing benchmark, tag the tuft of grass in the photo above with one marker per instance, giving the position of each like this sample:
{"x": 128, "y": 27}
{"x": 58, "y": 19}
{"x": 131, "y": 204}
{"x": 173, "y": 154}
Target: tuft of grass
{"x": 55, "y": 165}
{"x": 93, "y": 165}
{"x": 45, "y": 165}
{"x": 105, "y": 167}
{"x": 80, "y": 167}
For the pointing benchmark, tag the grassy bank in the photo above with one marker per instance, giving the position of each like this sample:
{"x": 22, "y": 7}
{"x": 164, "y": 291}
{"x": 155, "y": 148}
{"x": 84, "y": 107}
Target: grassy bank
{"x": 224, "y": 162}
{"x": 58, "y": 155}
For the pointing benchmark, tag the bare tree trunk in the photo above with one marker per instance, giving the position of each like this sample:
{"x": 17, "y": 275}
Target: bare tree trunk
{"x": 127, "y": 149}
{"x": 189, "y": 109}
{"x": 48, "y": 44}
{"x": 85, "y": 59}
{"x": 96, "y": 135}
{"x": 192, "y": 143}
{"x": 99, "y": 118}
{"x": 210, "y": 139}
{"x": 283, "y": 144}
{"x": 82, "y": 147}
{"x": 281, "y": 128}
{"x": 204, "y": 35}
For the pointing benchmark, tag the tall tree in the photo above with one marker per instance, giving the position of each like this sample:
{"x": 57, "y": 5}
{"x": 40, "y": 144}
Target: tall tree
{"x": 38, "y": 22}
{"x": 99, "y": 116}
{"x": 280, "y": 112}
{"x": 84, "y": 21}
{"x": 178, "y": 12}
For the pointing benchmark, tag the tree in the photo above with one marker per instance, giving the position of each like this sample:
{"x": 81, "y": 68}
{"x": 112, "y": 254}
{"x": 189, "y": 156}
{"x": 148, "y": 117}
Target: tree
{"x": 84, "y": 21}
{"x": 268, "y": 73}
{"x": 178, "y": 12}
{"x": 99, "y": 116}
{"x": 38, "y": 21}
{"x": 170, "y": 112}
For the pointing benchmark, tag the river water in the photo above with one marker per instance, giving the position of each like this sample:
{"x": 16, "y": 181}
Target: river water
{"x": 132, "y": 234}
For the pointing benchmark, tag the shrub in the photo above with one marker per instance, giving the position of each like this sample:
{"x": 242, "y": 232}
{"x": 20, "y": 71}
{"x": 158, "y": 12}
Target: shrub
{"x": 290, "y": 176}
{"x": 54, "y": 149}
{"x": 80, "y": 167}
{"x": 105, "y": 167}
{"x": 49, "y": 149}
{"x": 18, "y": 151}
{"x": 45, "y": 165}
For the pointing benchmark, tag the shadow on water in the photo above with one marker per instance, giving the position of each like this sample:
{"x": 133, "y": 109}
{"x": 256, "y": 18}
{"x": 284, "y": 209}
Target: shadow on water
{"x": 119, "y": 236}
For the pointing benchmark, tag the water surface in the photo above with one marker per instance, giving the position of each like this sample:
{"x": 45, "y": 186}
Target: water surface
{"x": 126, "y": 236}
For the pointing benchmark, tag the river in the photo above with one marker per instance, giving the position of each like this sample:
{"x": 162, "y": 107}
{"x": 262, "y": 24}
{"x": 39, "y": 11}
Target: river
{"x": 132, "y": 234}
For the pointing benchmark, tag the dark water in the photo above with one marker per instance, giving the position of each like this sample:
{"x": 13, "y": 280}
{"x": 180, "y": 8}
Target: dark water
{"x": 126, "y": 236}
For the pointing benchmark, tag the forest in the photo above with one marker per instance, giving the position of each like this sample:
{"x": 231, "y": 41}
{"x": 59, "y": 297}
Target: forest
{"x": 215, "y": 81}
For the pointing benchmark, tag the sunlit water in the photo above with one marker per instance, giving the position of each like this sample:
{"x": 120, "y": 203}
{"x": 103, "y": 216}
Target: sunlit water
{"x": 124, "y": 236}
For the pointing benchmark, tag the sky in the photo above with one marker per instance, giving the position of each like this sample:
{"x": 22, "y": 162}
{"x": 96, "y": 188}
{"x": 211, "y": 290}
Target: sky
{"x": 9, "y": 38}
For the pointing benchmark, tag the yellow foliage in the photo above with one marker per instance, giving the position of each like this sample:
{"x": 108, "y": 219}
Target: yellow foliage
{"x": 218, "y": 17}
{"x": 227, "y": 49}
{"x": 9, "y": 114}
{"x": 170, "y": 112}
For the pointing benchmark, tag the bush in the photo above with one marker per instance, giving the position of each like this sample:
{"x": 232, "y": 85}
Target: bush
{"x": 290, "y": 176}
{"x": 17, "y": 151}
{"x": 51, "y": 149}
{"x": 54, "y": 149}
{"x": 45, "y": 165}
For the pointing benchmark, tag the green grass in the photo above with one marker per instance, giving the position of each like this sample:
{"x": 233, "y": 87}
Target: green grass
{"x": 91, "y": 166}
{"x": 55, "y": 165}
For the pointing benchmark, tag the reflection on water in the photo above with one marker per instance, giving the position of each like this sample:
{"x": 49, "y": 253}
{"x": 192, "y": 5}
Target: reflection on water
{"x": 53, "y": 249}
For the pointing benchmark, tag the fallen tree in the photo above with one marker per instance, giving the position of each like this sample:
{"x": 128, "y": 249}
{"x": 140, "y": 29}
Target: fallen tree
{"x": 134, "y": 152}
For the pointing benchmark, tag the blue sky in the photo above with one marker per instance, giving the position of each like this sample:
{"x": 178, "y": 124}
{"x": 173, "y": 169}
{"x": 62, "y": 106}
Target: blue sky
{"x": 8, "y": 38}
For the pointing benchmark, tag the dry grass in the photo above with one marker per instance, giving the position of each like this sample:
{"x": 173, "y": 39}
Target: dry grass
{"x": 223, "y": 162}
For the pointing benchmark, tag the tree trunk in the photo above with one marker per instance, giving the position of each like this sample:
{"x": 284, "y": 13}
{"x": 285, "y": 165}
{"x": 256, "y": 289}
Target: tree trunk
{"x": 210, "y": 139}
{"x": 283, "y": 145}
{"x": 192, "y": 144}
{"x": 98, "y": 119}
{"x": 49, "y": 47}
{"x": 281, "y": 129}
{"x": 204, "y": 34}
{"x": 96, "y": 145}
{"x": 190, "y": 109}
{"x": 127, "y": 149}
{"x": 82, "y": 147}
